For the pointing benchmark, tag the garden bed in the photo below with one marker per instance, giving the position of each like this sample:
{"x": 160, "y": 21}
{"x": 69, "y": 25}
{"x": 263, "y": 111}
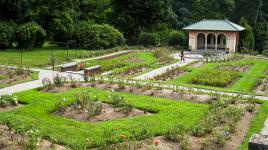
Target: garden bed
{"x": 106, "y": 112}
{"x": 236, "y": 68}
{"x": 10, "y": 139}
{"x": 135, "y": 89}
{"x": 171, "y": 74}
{"x": 10, "y": 77}
{"x": 196, "y": 65}
{"x": 262, "y": 86}
{"x": 216, "y": 78}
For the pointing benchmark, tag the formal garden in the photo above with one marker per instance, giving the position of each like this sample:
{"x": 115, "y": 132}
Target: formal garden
{"x": 133, "y": 75}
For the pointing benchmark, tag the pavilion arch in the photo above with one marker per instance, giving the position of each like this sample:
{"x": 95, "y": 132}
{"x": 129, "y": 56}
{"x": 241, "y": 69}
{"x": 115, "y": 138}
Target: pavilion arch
{"x": 221, "y": 41}
{"x": 211, "y": 41}
{"x": 201, "y": 40}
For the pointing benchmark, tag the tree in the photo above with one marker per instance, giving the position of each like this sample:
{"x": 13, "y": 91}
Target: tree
{"x": 247, "y": 36}
{"x": 132, "y": 16}
{"x": 30, "y": 35}
{"x": 213, "y": 9}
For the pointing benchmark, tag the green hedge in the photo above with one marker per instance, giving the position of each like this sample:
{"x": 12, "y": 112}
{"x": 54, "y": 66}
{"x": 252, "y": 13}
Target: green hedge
{"x": 150, "y": 39}
{"x": 94, "y": 36}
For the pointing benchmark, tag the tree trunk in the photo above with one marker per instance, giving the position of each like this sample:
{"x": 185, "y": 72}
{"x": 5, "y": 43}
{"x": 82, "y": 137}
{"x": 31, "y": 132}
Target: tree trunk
{"x": 138, "y": 38}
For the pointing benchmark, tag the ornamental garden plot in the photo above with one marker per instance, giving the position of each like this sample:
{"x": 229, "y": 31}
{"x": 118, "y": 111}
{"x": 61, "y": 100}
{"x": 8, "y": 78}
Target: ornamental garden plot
{"x": 10, "y": 77}
{"x": 235, "y": 76}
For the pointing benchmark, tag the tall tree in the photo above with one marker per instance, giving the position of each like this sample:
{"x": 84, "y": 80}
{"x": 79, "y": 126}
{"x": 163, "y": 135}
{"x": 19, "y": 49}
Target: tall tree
{"x": 247, "y": 36}
{"x": 213, "y": 9}
{"x": 132, "y": 16}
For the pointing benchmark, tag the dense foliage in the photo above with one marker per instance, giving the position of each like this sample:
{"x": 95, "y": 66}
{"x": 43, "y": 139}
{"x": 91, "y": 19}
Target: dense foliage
{"x": 94, "y": 36}
{"x": 6, "y": 34}
{"x": 30, "y": 35}
{"x": 133, "y": 17}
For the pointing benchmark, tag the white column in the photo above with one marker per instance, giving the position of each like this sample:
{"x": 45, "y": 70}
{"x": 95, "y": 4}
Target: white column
{"x": 206, "y": 43}
{"x": 216, "y": 44}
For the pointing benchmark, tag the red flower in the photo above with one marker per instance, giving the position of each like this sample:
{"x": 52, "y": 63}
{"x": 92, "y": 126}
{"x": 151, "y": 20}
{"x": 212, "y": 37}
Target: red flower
{"x": 156, "y": 142}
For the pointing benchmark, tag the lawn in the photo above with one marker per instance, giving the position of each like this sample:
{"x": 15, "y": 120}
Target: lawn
{"x": 75, "y": 134}
{"x": 245, "y": 84}
{"x": 124, "y": 64}
{"x": 41, "y": 57}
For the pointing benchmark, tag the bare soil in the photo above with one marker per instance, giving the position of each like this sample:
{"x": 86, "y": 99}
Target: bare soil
{"x": 162, "y": 93}
{"x": 196, "y": 65}
{"x": 134, "y": 71}
{"x": 171, "y": 75}
{"x": 9, "y": 107}
{"x": 9, "y": 140}
{"x": 11, "y": 76}
{"x": 243, "y": 68}
{"x": 109, "y": 112}
{"x": 262, "y": 86}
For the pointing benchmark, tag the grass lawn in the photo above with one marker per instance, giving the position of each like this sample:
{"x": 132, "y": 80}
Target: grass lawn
{"x": 41, "y": 57}
{"x": 125, "y": 63}
{"x": 74, "y": 134}
{"x": 34, "y": 76}
{"x": 245, "y": 84}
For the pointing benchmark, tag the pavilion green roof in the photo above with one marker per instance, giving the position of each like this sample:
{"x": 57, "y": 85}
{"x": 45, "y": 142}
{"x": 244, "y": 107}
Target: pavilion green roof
{"x": 215, "y": 25}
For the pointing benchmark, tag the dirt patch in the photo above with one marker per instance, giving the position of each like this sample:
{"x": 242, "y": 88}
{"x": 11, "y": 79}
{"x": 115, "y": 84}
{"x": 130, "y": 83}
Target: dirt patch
{"x": 10, "y": 140}
{"x": 133, "y": 60}
{"x": 56, "y": 89}
{"x": 10, "y": 107}
{"x": 46, "y": 145}
{"x": 196, "y": 65}
{"x": 133, "y": 71}
{"x": 235, "y": 68}
{"x": 108, "y": 112}
{"x": 262, "y": 86}
{"x": 170, "y": 75}
{"x": 162, "y": 93}
{"x": 9, "y": 76}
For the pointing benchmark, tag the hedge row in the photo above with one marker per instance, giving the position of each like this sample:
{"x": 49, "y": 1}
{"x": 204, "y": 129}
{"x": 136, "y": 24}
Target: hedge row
{"x": 172, "y": 38}
{"x": 87, "y": 34}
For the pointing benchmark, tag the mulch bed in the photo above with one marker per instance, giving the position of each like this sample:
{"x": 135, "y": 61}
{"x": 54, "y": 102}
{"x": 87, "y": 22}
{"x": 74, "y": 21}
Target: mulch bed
{"x": 262, "y": 86}
{"x": 133, "y": 71}
{"x": 196, "y": 65}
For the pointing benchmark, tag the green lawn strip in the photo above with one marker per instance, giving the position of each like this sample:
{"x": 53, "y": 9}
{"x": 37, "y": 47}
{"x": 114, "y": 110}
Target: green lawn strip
{"x": 250, "y": 78}
{"x": 41, "y": 57}
{"x": 244, "y": 85}
{"x": 121, "y": 64}
{"x": 74, "y": 133}
{"x": 34, "y": 76}
{"x": 256, "y": 125}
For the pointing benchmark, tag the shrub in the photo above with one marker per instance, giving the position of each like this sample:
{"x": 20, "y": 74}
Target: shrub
{"x": 150, "y": 39}
{"x": 176, "y": 133}
{"x": 176, "y": 38}
{"x": 120, "y": 101}
{"x": 30, "y": 35}
{"x": 7, "y": 30}
{"x": 59, "y": 81}
{"x": 8, "y": 99}
{"x": 215, "y": 78}
{"x": 163, "y": 54}
{"x": 94, "y": 36}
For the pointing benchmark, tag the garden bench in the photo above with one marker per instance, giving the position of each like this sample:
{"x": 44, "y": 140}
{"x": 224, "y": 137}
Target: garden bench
{"x": 69, "y": 67}
{"x": 92, "y": 70}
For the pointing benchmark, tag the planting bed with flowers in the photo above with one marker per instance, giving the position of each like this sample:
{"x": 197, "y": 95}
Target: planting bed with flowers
{"x": 10, "y": 77}
{"x": 236, "y": 76}
{"x": 41, "y": 107}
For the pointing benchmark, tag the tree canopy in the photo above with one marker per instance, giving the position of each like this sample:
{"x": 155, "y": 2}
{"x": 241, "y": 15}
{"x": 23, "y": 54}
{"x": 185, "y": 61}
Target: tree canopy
{"x": 59, "y": 19}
